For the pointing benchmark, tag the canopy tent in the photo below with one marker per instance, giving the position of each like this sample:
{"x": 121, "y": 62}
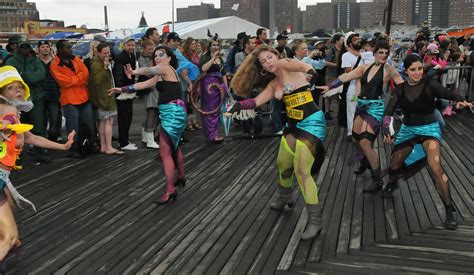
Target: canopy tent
{"x": 225, "y": 27}
{"x": 63, "y": 35}
{"x": 462, "y": 32}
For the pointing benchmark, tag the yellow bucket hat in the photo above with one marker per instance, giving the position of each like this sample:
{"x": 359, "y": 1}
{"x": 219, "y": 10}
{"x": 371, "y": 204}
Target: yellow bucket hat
{"x": 8, "y": 75}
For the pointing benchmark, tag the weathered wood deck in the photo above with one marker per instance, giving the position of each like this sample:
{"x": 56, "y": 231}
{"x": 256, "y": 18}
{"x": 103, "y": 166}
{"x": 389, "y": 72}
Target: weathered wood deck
{"x": 99, "y": 215}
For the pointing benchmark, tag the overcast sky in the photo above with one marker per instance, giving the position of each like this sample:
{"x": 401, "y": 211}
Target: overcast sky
{"x": 122, "y": 13}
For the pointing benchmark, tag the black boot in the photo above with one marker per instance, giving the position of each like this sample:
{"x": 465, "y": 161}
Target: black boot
{"x": 286, "y": 198}
{"x": 389, "y": 189}
{"x": 451, "y": 219}
{"x": 315, "y": 222}
{"x": 180, "y": 182}
{"x": 377, "y": 182}
{"x": 364, "y": 165}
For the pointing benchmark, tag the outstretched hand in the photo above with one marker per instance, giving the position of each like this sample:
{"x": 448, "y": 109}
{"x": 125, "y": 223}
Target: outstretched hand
{"x": 128, "y": 71}
{"x": 70, "y": 140}
{"x": 388, "y": 139}
{"x": 323, "y": 89}
{"x": 4, "y": 124}
{"x": 114, "y": 91}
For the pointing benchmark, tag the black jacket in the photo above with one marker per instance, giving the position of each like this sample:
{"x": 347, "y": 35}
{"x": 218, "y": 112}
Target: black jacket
{"x": 119, "y": 74}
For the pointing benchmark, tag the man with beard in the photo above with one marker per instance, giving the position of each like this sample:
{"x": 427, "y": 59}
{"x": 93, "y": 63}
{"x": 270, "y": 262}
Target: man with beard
{"x": 125, "y": 103}
{"x": 350, "y": 61}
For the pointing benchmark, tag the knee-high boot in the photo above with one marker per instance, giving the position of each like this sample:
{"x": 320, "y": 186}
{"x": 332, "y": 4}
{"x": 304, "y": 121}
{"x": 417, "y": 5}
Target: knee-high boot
{"x": 315, "y": 222}
{"x": 364, "y": 165}
{"x": 377, "y": 183}
{"x": 286, "y": 198}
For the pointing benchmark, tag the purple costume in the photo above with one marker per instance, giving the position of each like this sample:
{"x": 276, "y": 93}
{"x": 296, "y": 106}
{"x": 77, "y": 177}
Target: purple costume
{"x": 213, "y": 90}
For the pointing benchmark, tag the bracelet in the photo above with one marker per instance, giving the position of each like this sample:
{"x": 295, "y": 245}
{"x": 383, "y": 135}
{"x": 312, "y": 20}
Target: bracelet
{"x": 336, "y": 83}
{"x": 128, "y": 89}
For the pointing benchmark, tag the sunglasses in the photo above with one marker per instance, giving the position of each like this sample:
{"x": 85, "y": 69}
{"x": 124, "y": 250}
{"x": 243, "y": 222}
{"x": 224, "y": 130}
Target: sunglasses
{"x": 382, "y": 52}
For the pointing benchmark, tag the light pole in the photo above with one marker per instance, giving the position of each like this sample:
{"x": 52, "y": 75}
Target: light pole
{"x": 172, "y": 15}
{"x": 389, "y": 17}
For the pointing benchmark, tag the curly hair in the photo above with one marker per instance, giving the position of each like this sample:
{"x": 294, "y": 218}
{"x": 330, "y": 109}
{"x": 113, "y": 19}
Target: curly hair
{"x": 250, "y": 73}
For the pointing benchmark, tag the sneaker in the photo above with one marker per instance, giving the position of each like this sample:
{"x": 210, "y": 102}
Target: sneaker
{"x": 279, "y": 133}
{"x": 75, "y": 155}
{"x": 129, "y": 147}
{"x": 42, "y": 158}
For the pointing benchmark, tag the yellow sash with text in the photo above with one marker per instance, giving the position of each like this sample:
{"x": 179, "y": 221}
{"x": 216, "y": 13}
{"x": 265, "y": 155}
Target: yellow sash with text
{"x": 296, "y": 100}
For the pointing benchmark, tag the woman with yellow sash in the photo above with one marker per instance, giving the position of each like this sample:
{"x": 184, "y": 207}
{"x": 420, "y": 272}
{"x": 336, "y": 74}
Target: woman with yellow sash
{"x": 301, "y": 149}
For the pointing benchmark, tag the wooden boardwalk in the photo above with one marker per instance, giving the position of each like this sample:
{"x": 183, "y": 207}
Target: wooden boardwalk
{"x": 100, "y": 215}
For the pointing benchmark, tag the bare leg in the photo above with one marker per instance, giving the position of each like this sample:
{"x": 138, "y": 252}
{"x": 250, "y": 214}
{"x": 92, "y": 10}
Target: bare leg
{"x": 8, "y": 230}
{"x": 103, "y": 145}
{"x": 108, "y": 135}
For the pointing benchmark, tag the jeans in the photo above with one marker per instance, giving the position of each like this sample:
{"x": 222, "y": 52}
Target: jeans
{"x": 79, "y": 118}
{"x": 52, "y": 114}
{"x": 36, "y": 117}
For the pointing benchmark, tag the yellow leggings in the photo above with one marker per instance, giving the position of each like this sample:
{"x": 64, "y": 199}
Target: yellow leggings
{"x": 297, "y": 162}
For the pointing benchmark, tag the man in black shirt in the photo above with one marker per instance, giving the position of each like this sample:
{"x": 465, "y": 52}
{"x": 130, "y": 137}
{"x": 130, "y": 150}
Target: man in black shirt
{"x": 124, "y": 103}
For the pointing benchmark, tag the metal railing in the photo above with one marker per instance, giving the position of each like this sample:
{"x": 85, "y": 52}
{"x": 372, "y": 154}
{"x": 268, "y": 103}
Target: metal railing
{"x": 461, "y": 76}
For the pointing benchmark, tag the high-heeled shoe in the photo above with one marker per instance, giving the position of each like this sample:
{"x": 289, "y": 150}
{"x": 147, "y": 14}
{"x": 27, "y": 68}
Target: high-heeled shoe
{"x": 364, "y": 165}
{"x": 180, "y": 182}
{"x": 166, "y": 197}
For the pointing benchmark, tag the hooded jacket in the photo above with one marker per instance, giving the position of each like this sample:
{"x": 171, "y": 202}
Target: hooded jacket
{"x": 32, "y": 72}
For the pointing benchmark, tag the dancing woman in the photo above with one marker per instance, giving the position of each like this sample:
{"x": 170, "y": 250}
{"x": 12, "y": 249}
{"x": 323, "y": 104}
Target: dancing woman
{"x": 370, "y": 108}
{"x": 301, "y": 148}
{"x": 13, "y": 98}
{"x": 419, "y": 130}
{"x": 172, "y": 114}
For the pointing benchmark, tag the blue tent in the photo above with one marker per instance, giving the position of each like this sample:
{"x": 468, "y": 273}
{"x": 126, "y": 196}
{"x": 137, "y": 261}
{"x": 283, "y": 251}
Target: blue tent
{"x": 63, "y": 35}
{"x": 80, "y": 49}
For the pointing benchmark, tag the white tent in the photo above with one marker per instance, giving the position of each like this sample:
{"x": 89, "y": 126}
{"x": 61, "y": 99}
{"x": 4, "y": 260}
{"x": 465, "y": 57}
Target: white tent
{"x": 226, "y": 27}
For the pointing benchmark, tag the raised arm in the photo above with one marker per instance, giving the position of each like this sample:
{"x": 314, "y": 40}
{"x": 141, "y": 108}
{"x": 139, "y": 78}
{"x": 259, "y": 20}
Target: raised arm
{"x": 442, "y": 92}
{"x": 135, "y": 87}
{"x": 394, "y": 75}
{"x": 294, "y": 65}
{"x": 148, "y": 71}
{"x": 343, "y": 78}
{"x": 247, "y": 104}
{"x": 353, "y": 74}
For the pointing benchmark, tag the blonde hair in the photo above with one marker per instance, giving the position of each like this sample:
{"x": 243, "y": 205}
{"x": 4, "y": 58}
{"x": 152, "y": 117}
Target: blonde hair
{"x": 251, "y": 74}
{"x": 91, "y": 47}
